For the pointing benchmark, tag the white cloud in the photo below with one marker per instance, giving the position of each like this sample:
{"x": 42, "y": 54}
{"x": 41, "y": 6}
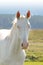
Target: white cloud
{"x": 22, "y": 5}
{"x": 21, "y": 2}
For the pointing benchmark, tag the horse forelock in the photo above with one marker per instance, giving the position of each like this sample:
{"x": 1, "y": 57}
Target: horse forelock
{"x": 15, "y": 19}
{"x": 22, "y": 16}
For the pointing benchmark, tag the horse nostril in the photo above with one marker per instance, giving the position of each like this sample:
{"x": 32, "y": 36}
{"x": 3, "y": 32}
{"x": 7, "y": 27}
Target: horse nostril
{"x": 22, "y": 44}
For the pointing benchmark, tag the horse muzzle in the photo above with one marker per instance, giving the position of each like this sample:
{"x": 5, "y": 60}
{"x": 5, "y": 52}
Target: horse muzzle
{"x": 24, "y": 45}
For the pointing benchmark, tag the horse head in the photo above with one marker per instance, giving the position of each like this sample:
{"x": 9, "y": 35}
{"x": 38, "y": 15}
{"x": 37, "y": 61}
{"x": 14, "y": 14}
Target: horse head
{"x": 23, "y": 27}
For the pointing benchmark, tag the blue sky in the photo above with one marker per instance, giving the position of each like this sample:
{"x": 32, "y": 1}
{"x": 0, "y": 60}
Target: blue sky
{"x": 12, "y": 6}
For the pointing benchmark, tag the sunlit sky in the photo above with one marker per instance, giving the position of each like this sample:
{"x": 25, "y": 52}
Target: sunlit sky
{"x": 12, "y": 6}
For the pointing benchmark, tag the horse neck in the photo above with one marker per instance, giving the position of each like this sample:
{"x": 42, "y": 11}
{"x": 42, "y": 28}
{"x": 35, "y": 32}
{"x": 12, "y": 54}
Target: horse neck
{"x": 15, "y": 41}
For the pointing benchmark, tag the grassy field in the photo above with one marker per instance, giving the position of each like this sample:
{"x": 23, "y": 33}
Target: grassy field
{"x": 36, "y": 36}
{"x": 35, "y": 51}
{"x": 33, "y": 63}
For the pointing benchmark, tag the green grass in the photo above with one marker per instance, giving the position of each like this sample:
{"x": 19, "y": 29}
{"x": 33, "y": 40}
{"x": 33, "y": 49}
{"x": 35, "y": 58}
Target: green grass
{"x": 36, "y": 36}
{"x": 33, "y": 63}
{"x": 35, "y": 51}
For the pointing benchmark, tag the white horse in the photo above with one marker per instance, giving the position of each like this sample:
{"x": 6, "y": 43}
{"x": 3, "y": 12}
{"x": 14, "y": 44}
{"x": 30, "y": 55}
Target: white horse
{"x": 13, "y": 41}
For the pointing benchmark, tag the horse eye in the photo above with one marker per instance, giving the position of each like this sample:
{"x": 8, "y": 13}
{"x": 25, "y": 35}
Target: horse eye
{"x": 18, "y": 27}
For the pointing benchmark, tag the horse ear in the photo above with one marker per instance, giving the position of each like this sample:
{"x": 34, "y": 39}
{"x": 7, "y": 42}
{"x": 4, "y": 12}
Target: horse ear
{"x": 28, "y": 14}
{"x": 18, "y": 14}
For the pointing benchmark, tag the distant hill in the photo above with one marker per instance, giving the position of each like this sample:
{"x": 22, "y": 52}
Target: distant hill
{"x": 6, "y": 21}
{"x": 36, "y": 22}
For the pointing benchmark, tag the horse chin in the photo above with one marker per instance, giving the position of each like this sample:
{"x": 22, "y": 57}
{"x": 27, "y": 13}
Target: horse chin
{"x": 24, "y": 47}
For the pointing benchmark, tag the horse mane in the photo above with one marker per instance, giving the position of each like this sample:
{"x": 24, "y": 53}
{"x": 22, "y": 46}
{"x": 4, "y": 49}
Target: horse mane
{"x": 14, "y": 36}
